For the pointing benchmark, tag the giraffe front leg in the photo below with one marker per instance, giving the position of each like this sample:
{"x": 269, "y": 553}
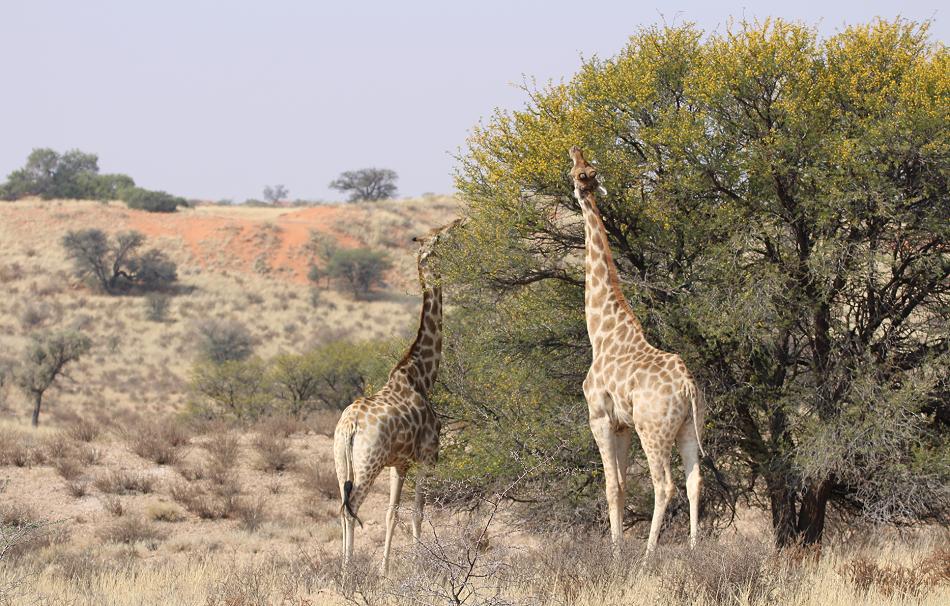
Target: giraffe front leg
{"x": 606, "y": 439}
{"x": 396, "y": 478}
{"x": 420, "y": 503}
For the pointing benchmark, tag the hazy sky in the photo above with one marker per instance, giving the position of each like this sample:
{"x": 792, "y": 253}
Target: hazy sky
{"x": 218, "y": 99}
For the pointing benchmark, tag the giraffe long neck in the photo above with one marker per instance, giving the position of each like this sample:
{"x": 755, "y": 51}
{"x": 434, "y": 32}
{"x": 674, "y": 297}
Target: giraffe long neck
{"x": 421, "y": 361}
{"x": 603, "y": 299}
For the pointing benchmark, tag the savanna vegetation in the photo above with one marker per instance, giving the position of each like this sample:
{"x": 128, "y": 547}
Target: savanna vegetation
{"x": 74, "y": 175}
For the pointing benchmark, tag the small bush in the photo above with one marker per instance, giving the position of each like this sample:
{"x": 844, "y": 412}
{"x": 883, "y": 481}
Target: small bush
{"x": 83, "y": 430}
{"x": 124, "y": 482}
{"x": 224, "y": 340}
{"x": 16, "y": 448}
{"x": 359, "y": 269}
{"x": 34, "y": 315}
{"x": 151, "y": 201}
{"x": 274, "y": 452}
{"x": 156, "y": 307}
{"x": 130, "y": 530}
{"x": 320, "y": 478}
{"x": 164, "y": 512}
{"x": 160, "y": 442}
{"x": 78, "y": 487}
{"x": 113, "y": 505}
{"x": 251, "y": 513}
{"x": 67, "y": 468}
{"x": 223, "y": 453}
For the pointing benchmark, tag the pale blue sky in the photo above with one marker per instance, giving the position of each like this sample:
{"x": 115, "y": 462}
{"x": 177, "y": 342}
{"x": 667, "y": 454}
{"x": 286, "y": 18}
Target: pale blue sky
{"x": 218, "y": 99}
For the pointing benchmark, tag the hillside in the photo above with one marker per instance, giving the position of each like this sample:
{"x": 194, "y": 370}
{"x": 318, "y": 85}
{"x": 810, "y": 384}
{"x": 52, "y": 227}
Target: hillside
{"x": 248, "y": 264}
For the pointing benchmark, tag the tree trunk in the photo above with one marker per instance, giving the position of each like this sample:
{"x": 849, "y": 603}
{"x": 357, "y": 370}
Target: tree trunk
{"x": 782, "y": 505}
{"x": 37, "y": 402}
{"x": 811, "y": 515}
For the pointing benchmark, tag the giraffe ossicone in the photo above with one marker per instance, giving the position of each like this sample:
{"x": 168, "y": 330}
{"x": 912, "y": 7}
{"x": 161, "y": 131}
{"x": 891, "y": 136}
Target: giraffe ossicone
{"x": 631, "y": 384}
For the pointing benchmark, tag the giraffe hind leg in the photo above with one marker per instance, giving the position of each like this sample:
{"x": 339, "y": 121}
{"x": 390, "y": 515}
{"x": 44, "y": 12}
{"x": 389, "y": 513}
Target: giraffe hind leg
{"x": 689, "y": 451}
{"x": 396, "y": 478}
{"x": 658, "y": 457}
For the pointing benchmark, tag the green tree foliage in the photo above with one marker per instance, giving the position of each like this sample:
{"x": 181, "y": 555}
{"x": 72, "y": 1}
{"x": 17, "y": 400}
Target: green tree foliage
{"x": 74, "y": 174}
{"x": 358, "y": 269}
{"x": 44, "y": 361}
{"x": 368, "y": 184}
{"x": 778, "y": 208}
{"x": 115, "y": 265}
{"x": 234, "y": 389}
{"x": 152, "y": 201}
{"x": 329, "y": 376}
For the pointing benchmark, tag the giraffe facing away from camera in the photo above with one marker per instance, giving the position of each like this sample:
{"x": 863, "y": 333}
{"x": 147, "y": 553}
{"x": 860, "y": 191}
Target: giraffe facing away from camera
{"x": 632, "y": 384}
{"x": 397, "y": 426}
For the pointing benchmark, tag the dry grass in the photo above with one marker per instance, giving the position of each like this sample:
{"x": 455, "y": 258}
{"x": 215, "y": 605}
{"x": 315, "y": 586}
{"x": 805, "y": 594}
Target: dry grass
{"x": 579, "y": 576}
{"x": 131, "y": 530}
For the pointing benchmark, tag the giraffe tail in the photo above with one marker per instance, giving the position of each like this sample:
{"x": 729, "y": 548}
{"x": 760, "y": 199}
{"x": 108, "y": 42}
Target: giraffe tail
{"x": 698, "y": 403}
{"x": 348, "y": 434}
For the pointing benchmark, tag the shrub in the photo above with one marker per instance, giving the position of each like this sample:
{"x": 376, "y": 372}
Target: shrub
{"x": 112, "y": 504}
{"x": 83, "y": 430}
{"x": 124, "y": 482}
{"x": 359, "y": 269}
{"x": 319, "y": 478}
{"x": 16, "y": 448}
{"x": 164, "y": 512}
{"x": 131, "y": 530}
{"x": 115, "y": 266}
{"x": 274, "y": 452}
{"x": 152, "y": 201}
{"x": 160, "y": 442}
{"x": 251, "y": 513}
{"x": 156, "y": 307}
{"x": 77, "y": 487}
{"x": 224, "y": 340}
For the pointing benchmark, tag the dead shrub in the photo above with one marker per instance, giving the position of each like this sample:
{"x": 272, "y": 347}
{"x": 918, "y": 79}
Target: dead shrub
{"x": 113, "y": 505}
{"x": 78, "y": 487}
{"x": 320, "y": 479}
{"x": 223, "y": 453}
{"x": 274, "y": 452}
{"x": 67, "y": 467}
{"x": 723, "y": 573}
{"x": 251, "y": 513}
{"x": 58, "y": 446}
{"x": 323, "y": 422}
{"x": 164, "y": 512}
{"x": 16, "y": 448}
{"x": 160, "y": 442}
{"x": 130, "y": 530}
{"x": 896, "y": 580}
{"x": 282, "y": 425}
{"x": 83, "y": 430}
{"x": 124, "y": 482}
{"x": 23, "y": 531}
{"x": 220, "y": 502}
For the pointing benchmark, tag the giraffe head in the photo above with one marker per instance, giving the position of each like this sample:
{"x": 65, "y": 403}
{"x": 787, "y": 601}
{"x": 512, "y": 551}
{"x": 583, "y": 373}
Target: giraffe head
{"x": 428, "y": 242}
{"x": 582, "y": 173}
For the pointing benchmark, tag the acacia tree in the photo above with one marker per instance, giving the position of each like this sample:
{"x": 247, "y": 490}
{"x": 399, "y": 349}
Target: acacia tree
{"x": 276, "y": 193}
{"x": 44, "y": 362}
{"x": 779, "y": 210}
{"x": 367, "y": 184}
{"x": 117, "y": 266}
